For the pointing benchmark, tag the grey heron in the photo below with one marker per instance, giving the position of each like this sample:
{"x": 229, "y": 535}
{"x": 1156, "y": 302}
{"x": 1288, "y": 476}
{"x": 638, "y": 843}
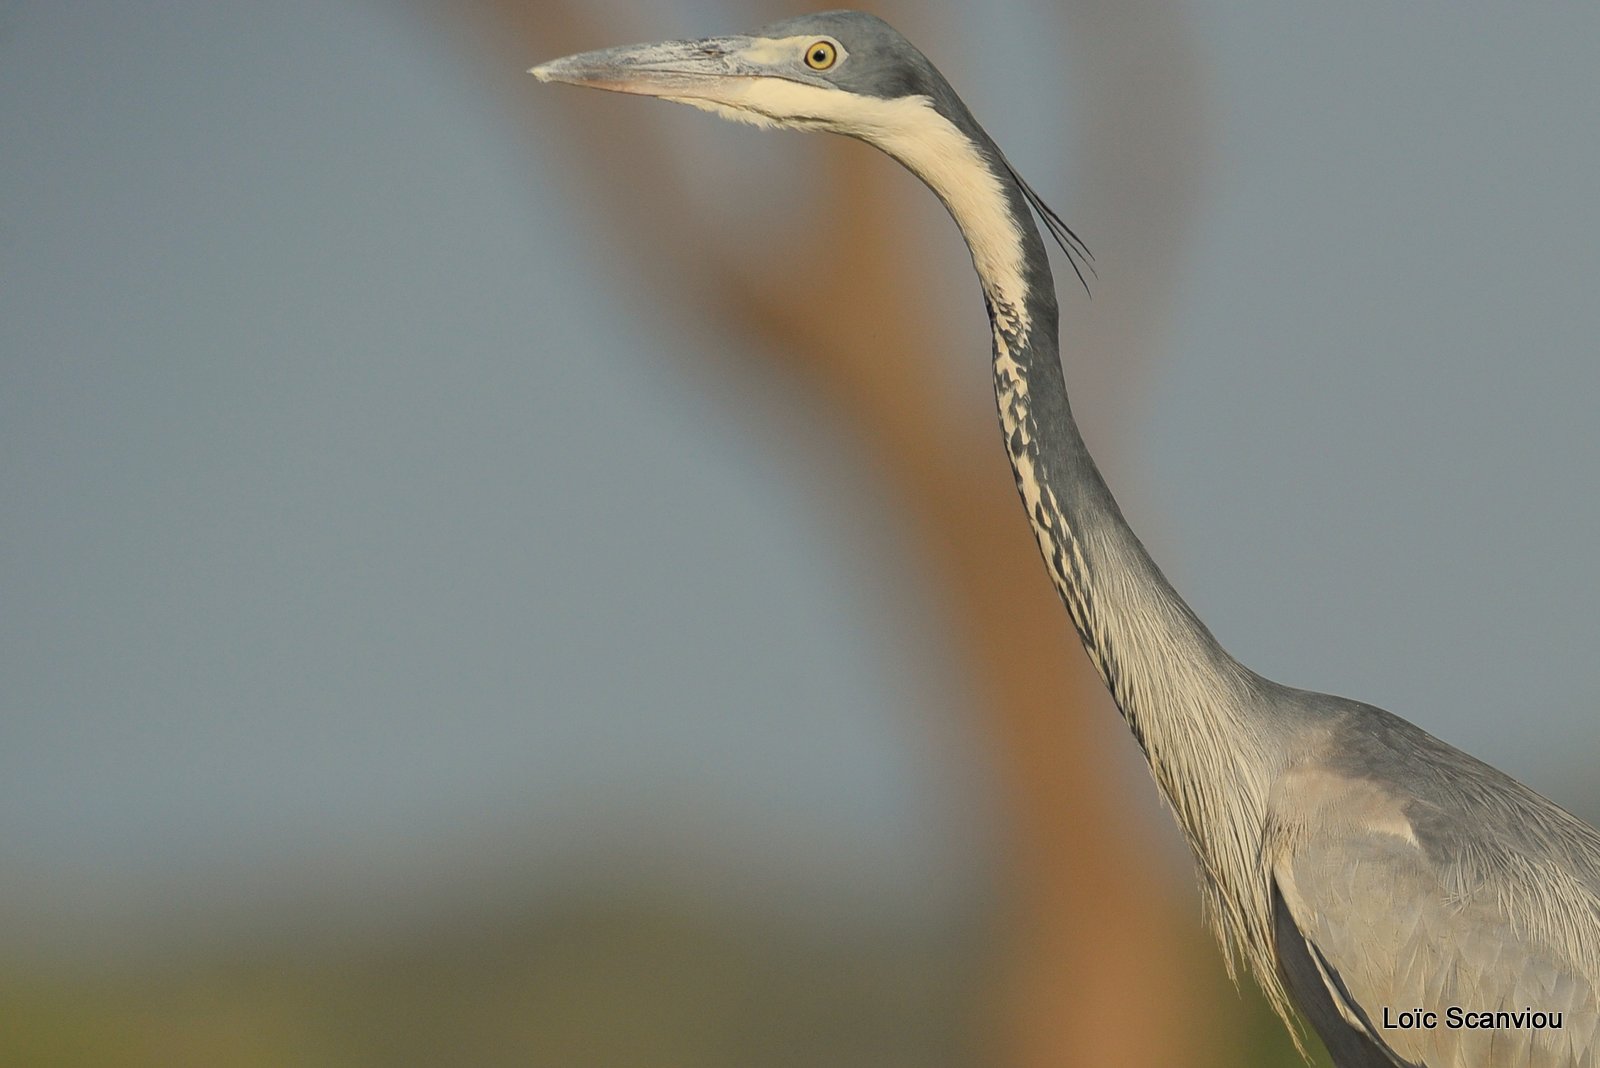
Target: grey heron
{"x": 1418, "y": 906}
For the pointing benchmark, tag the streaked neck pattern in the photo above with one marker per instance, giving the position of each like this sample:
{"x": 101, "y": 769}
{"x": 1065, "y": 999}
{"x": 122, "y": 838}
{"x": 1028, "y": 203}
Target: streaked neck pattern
{"x": 1177, "y": 688}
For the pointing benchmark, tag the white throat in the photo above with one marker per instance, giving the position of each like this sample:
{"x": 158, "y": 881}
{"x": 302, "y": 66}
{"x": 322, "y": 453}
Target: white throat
{"x": 912, "y": 131}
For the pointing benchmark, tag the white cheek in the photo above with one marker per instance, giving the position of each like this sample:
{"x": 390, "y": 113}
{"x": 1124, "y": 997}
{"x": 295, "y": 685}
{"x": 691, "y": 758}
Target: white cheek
{"x": 732, "y": 114}
{"x": 913, "y": 132}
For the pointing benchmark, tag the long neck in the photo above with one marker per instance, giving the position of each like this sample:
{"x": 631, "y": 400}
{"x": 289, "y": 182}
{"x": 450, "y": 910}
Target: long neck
{"x": 1199, "y": 716}
{"x": 1208, "y": 726}
{"x": 1204, "y": 721}
{"x": 1166, "y": 672}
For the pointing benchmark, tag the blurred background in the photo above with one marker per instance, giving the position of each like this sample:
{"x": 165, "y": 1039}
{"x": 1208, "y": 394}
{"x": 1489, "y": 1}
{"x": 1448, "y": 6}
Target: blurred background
{"x": 498, "y": 574}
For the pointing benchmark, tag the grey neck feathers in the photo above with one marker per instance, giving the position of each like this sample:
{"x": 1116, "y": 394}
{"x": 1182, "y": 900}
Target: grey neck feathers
{"x": 1192, "y": 707}
{"x": 1136, "y": 628}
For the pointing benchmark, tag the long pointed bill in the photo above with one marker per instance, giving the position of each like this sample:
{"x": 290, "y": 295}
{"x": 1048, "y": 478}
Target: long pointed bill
{"x": 678, "y": 69}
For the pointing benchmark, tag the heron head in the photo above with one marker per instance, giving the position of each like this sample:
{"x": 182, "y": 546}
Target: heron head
{"x": 853, "y": 74}
{"x": 831, "y": 71}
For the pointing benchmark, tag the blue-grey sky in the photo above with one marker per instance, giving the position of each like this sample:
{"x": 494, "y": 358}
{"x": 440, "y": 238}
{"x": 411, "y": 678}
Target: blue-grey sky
{"x": 353, "y": 514}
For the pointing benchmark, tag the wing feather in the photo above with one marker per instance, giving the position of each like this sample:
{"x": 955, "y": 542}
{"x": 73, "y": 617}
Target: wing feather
{"x": 1387, "y": 903}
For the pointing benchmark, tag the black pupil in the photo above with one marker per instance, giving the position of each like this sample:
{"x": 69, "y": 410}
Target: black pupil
{"x": 819, "y": 56}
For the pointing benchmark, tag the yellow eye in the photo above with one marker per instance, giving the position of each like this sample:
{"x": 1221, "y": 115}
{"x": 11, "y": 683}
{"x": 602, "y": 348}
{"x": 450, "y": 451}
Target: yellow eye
{"x": 821, "y": 55}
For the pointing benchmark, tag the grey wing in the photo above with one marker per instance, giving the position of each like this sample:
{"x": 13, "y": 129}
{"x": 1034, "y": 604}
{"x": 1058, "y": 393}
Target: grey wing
{"x": 1377, "y": 927}
{"x": 1318, "y": 989}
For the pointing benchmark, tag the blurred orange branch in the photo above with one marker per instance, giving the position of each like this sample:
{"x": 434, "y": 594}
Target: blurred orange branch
{"x": 1091, "y": 919}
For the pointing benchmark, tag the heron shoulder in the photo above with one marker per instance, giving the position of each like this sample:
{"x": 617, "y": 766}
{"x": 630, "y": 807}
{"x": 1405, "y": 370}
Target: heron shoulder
{"x": 1439, "y": 835}
{"x": 1362, "y": 767}
{"x": 1406, "y": 874}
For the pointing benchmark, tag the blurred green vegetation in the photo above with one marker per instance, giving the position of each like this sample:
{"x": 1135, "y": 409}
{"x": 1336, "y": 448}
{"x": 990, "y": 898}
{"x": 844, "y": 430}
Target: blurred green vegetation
{"x": 611, "y": 980}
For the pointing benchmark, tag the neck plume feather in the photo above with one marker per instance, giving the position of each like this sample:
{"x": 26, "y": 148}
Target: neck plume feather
{"x": 1183, "y": 696}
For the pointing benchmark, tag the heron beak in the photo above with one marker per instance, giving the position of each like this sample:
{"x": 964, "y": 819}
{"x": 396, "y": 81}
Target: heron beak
{"x": 679, "y": 69}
